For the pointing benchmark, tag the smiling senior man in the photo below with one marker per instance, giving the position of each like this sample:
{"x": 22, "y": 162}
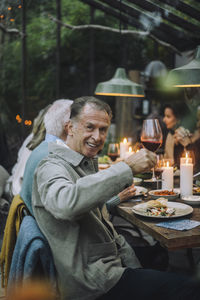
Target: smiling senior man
{"x": 69, "y": 196}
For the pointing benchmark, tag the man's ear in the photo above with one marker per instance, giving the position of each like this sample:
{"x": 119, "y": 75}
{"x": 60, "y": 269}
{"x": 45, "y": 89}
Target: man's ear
{"x": 70, "y": 128}
{"x": 66, "y": 127}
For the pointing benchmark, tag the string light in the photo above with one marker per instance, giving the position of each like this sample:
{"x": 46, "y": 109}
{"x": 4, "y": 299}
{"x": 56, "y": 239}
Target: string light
{"x": 9, "y": 8}
{"x": 26, "y": 122}
{"x": 12, "y": 20}
{"x": 18, "y": 118}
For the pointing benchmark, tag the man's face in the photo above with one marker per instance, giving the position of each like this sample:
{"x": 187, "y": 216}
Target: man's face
{"x": 88, "y": 133}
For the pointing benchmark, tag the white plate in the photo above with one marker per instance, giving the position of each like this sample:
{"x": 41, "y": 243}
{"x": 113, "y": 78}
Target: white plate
{"x": 180, "y": 210}
{"x": 137, "y": 181}
{"x": 192, "y": 200}
{"x": 169, "y": 197}
{"x": 140, "y": 191}
{"x": 103, "y": 166}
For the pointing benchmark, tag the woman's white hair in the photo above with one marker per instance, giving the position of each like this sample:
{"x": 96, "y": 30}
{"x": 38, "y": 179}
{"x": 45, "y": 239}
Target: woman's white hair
{"x": 57, "y": 117}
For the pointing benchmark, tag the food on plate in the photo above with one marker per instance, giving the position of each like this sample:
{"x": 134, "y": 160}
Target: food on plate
{"x": 196, "y": 190}
{"x": 103, "y": 159}
{"x": 164, "y": 193}
{"x": 159, "y": 208}
{"x": 160, "y": 202}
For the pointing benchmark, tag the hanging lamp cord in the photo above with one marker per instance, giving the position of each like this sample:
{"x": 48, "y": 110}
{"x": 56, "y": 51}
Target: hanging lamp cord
{"x": 120, "y": 31}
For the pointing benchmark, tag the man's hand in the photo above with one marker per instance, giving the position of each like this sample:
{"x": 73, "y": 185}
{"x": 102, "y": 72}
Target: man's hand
{"x": 142, "y": 161}
{"x": 127, "y": 194}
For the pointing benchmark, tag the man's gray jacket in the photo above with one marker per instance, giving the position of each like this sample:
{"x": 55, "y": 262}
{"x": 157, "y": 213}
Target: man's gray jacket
{"x": 68, "y": 203}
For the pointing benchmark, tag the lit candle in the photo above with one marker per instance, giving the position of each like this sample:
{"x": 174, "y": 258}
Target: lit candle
{"x": 123, "y": 148}
{"x": 167, "y": 177}
{"x": 186, "y": 175}
{"x": 129, "y": 152}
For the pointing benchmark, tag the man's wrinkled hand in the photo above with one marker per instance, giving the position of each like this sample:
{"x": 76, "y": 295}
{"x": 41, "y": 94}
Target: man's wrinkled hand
{"x": 141, "y": 161}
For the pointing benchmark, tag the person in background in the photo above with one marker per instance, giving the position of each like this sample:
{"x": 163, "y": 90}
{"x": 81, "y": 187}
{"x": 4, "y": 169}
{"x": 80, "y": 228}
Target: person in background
{"x": 175, "y": 119}
{"x": 4, "y": 204}
{"x": 69, "y": 196}
{"x": 192, "y": 141}
{"x": 14, "y": 182}
{"x": 55, "y": 124}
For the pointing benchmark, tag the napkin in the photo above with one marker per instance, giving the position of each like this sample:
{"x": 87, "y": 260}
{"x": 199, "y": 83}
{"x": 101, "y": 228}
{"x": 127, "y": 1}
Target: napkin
{"x": 179, "y": 224}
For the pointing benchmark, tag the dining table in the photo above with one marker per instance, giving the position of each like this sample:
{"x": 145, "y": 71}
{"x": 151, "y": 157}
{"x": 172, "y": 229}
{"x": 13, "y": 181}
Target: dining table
{"x": 170, "y": 239}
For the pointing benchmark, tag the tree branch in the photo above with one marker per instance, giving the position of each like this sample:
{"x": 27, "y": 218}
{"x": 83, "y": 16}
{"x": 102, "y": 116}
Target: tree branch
{"x": 141, "y": 34}
{"x": 10, "y": 31}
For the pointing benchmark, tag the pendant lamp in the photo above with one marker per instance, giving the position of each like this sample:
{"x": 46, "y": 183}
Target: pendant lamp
{"x": 120, "y": 85}
{"x": 188, "y": 75}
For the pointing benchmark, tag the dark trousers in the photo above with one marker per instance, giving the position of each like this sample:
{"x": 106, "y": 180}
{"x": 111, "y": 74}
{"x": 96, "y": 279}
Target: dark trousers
{"x": 140, "y": 284}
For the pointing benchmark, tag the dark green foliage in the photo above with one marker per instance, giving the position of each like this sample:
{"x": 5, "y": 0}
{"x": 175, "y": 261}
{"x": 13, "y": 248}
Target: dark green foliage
{"x": 75, "y": 56}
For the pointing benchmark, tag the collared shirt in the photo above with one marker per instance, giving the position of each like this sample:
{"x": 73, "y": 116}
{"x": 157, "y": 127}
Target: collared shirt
{"x": 51, "y": 138}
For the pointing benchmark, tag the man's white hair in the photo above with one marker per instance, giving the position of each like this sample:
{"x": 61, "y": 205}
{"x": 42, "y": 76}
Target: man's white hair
{"x": 57, "y": 116}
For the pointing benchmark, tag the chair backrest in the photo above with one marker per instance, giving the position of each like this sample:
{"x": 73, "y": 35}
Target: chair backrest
{"x": 13, "y": 222}
{"x": 32, "y": 256}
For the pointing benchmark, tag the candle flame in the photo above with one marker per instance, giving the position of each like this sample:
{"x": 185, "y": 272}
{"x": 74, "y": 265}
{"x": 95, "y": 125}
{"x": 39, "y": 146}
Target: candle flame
{"x": 167, "y": 163}
{"x": 125, "y": 141}
{"x": 129, "y": 149}
{"x": 186, "y": 156}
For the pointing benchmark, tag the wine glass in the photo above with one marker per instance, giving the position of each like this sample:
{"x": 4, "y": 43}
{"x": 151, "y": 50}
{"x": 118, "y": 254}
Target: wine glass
{"x": 113, "y": 151}
{"x": 151, "y": 137}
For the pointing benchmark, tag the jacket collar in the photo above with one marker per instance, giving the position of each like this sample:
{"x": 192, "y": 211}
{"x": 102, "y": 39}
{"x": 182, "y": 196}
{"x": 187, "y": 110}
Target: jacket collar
{"x": 69, "y": 155}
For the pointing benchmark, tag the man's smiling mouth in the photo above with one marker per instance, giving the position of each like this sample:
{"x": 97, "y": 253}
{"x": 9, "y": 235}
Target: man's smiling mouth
{"x": 92, "y": 145}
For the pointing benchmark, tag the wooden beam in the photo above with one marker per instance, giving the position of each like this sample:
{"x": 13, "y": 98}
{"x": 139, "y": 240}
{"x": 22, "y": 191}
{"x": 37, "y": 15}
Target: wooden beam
{"x": 111, "y": 12}
{"x": 135, "y": 33}
{"x": 10, "y": 30}
{"x": 178, "y": 41}
{"x": 171, "y": 33}
{"x": 184, "y": 8}
{"x": 124, "y": 18}
{"x": 167, "y": 15}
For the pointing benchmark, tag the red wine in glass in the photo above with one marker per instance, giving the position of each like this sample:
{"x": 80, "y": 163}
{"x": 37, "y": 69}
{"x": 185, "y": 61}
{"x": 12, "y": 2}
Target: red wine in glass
{"x": 151, "y": 145}
{"x": 113, "y": 156}
{"x": 113, "y": 151}
{"x": 158, "y": 172}
{"x": 151, "y": 137}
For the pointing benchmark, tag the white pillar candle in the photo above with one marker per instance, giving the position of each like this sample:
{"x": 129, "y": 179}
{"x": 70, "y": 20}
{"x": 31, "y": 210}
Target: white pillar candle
{"x": 167, "y": 177}
{"x": 129, "y": 152}
{"x": 186, "y": 176}
{"x": 123, "y": 148}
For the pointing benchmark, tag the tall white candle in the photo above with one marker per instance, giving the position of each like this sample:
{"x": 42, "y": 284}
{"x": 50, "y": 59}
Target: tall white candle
{"x": 123, "y": 148}
{"x": 129, "y": 152}
{"x": 167, "y": 177}
{"x": 186, "y": 176}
